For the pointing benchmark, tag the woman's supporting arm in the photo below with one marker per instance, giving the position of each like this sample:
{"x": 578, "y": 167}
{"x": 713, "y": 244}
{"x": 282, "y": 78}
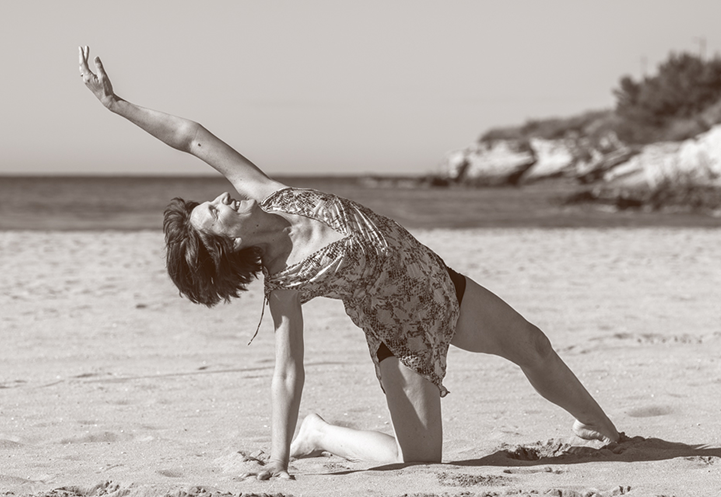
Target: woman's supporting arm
{"x": 180, "y": 133}
{"x": 288, "y": 378}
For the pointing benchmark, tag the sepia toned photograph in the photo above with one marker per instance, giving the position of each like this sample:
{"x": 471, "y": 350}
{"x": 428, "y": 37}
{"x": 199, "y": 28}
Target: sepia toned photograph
{"x": 341, "y": 248}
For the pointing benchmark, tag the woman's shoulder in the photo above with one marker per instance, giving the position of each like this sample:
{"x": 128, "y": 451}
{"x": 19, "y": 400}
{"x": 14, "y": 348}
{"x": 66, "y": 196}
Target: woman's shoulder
{"x": 258, "y": 191}
{"x": 297, "y": 198}
{"x": 275, "y": 194}
{"x": 267, "y": 189}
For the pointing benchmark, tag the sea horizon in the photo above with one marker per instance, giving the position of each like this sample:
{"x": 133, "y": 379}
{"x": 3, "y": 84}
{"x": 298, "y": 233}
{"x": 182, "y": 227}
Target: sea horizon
{"x": 136, "y": 202}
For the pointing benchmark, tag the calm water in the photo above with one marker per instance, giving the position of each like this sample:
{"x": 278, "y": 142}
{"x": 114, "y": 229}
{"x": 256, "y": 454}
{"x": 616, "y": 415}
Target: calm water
{"x": 131, "y": 203}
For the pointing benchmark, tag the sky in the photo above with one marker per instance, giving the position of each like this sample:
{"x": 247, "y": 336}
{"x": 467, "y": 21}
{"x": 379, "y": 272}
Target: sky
{"x": 319, "y": 87}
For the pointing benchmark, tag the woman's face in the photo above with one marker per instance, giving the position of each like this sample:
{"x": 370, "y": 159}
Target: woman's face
{"x": 223, "y": 216}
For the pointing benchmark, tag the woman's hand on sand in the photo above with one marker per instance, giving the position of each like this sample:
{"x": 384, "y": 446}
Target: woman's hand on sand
{"x": 99, "y": 83}
{"x": 272, "y": 469}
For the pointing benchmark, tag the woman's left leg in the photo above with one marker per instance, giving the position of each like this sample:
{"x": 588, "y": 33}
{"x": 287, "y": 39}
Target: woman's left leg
{"x": 487, "y": 324}
{"x": 415, "y": 408}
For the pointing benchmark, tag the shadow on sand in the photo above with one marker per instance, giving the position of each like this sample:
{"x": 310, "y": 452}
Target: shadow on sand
{"x": 628, "y": 449}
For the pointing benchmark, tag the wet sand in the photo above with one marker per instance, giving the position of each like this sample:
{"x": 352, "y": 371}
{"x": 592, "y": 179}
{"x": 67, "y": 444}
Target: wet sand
{"x": 110, "y": 384}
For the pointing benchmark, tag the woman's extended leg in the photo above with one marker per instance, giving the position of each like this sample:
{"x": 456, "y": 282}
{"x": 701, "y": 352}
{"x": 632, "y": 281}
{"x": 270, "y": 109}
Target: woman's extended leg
{"x": 415, "y": 407}
{"x": 316, "y": 436}
{"x": 487, "y": 324}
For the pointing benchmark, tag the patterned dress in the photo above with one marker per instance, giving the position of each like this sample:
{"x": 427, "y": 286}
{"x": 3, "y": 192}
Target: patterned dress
{"x": 393, "y": 287}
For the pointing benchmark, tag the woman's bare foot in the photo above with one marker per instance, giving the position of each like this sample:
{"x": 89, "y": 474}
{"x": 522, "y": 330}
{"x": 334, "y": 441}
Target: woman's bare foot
{"x": 305, "y": 444}
{"x": 605, "y": 434}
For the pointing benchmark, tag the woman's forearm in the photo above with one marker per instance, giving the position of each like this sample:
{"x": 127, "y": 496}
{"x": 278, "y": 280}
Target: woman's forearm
{"x": 286, "y": 391}
{"x": 288, "y": 375}
{"x": 174, "y": 131}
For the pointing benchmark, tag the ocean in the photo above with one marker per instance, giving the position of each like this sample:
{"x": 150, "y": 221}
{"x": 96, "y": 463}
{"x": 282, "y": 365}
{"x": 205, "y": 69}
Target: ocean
{"x": 137, "y": 203}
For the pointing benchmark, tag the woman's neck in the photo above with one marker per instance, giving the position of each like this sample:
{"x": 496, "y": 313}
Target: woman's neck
{"x": 273, "y": 237}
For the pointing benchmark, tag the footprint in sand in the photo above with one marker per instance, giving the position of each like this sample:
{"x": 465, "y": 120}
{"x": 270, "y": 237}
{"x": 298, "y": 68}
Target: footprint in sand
{"x": 241, "y": 463}
{"x": 170, "y": 473}
{"x": 551, "y": 449}
{"x": 100, "y": 437}
{"x": 13, "y": 384}
{"x": 649, "y": 411}
{"x": 12, "y": 480}
{"x": 9, "y": 444}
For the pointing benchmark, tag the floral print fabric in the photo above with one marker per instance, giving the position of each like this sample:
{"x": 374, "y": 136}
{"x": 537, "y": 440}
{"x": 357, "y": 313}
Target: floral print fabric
{"x": 393, "y": 287}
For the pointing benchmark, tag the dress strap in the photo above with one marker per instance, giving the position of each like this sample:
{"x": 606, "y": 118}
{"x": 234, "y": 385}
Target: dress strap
{"x": 262, "y": 313}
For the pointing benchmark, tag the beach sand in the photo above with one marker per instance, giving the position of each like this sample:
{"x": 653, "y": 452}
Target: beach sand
{"x": 111, "y": 384}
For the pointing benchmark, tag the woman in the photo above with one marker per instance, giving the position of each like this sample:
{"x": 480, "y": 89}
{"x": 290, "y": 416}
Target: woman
{"x": 307, "y": 244}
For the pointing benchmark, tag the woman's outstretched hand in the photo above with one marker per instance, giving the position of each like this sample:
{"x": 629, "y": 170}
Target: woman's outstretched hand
{"x": 98, "y": 84}
{"x": 271, "y": 470}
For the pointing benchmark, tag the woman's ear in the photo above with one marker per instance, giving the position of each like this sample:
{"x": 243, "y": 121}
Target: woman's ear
{"x": 237, "y": 243}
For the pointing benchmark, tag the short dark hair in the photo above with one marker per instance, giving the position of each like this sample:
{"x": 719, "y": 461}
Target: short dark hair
{"x": 204, "y": 266}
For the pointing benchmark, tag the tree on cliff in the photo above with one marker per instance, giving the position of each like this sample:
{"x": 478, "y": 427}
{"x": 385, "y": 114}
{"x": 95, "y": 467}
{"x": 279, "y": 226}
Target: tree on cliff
{"x": 680, "y": 101}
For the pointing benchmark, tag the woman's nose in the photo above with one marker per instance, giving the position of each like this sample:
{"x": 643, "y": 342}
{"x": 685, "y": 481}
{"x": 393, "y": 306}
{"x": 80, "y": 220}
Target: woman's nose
{"x": 222, "y": 198}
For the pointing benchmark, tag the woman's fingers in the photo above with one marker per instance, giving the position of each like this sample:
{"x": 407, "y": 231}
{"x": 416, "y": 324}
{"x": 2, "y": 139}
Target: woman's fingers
{"x": 85, "y": 71}
{"x": 82, "y": 65}
{"x": 267, "y": 475}
{"x": 98, "y": 83}
{"x": 100, "y": 68}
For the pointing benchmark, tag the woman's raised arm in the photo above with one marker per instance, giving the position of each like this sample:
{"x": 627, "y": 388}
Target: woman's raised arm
{"x": 180, "y": 133}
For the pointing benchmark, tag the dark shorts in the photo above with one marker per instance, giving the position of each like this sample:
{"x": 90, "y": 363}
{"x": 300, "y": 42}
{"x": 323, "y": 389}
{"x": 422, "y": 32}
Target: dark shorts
{"x": 459, "y": 282}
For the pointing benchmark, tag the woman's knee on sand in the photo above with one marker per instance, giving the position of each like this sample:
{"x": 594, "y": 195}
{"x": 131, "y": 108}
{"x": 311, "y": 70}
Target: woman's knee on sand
{"x": 414, "y": 404}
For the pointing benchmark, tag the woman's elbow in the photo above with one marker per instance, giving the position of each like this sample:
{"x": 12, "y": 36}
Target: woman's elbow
{"x": 287, "y": 377}
{"x": 187, "y": 137}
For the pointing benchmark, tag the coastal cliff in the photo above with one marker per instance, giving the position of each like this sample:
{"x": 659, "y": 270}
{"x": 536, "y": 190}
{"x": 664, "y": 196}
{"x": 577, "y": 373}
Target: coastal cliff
{"x": 606, "y": 160}
{"x": 661, "y": 143}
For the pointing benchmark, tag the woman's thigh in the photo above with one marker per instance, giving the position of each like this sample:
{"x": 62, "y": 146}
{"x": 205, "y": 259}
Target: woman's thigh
{"x": 488, "y": 324}
{"x": 415, "y": 407}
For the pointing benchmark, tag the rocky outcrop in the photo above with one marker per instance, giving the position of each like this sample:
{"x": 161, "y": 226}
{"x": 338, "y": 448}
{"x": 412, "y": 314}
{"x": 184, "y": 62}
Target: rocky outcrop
{"x": 600, "y": 163}
{"x": 553, "y": 158}
{"x": 498, "y": 162}
{"x": 695, "y": 161}
{"x": 490, "y": 163}
{"x": 605, "y": 160}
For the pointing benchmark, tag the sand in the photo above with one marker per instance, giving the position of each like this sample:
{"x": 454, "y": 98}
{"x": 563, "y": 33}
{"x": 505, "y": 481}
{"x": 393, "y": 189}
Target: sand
{"x": 110, "y": 384}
